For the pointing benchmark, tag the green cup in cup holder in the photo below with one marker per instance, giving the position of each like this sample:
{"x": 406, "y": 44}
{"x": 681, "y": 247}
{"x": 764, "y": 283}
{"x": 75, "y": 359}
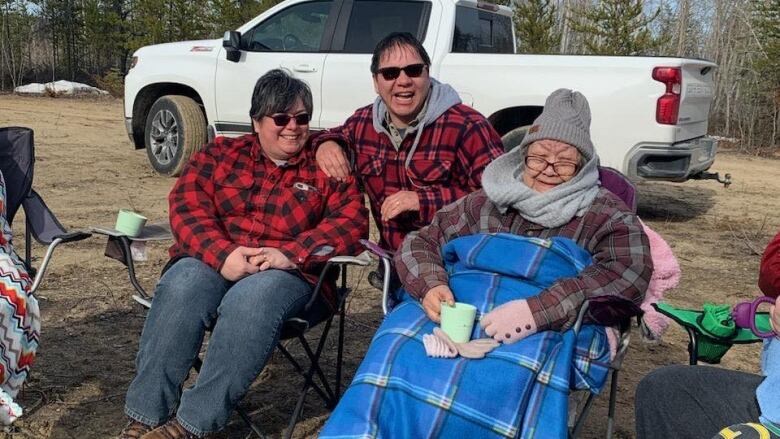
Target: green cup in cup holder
{"x": 130, "y": 223}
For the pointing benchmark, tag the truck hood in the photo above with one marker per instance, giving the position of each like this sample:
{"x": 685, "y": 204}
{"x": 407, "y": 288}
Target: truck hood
{"x": 178, "y": 48}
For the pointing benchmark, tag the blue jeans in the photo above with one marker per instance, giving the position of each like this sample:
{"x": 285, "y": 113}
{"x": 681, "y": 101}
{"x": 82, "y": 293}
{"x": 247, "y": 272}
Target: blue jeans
{"x": 246, "y": 317}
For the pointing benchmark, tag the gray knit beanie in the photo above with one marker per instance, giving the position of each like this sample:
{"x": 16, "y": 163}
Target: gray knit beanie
{"x": 566, "y": 118}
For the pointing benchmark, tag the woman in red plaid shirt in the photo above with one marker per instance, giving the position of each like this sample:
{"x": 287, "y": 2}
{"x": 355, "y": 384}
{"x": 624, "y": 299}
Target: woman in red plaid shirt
{"x": 254, "y": 222}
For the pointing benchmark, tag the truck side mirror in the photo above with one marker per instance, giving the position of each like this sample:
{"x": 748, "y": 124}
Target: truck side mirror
{"x": 231, "y": 41}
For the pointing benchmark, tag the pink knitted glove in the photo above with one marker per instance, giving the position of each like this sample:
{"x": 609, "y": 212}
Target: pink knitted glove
{"x": 440, "y": 345}
{"x": 510, "y": 322}
{"x": 437, "y": 346}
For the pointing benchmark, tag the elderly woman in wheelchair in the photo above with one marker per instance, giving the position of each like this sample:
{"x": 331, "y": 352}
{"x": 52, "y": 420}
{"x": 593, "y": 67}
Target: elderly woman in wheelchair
{"x": 254, "y": 222}
{"x": 528, "y": 250}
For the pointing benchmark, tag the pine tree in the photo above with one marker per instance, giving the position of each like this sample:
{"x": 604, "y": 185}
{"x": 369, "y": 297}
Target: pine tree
{"x": 230, "y": 14}
{"x": 536, "y": 27}
{"x": 616, "y": 27}
{"x": 766, "y": 64}
{"x": 15, "y": 35}
{"x": 766, "y": 23}
{"x": 163, "y": 21}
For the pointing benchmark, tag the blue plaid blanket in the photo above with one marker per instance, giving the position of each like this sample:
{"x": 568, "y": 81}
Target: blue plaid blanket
{"x": 518, "y": 390}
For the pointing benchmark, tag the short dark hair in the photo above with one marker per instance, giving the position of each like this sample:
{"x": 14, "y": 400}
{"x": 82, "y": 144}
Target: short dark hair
{"x": 398, "y": 40}
{"x": 276, "y": 92}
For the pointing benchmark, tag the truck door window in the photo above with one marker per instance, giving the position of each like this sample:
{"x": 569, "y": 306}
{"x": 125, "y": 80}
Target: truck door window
{"x": 298, "y": 28}
{"x": 372, "y": 20}
{"x": 478, "y": 31}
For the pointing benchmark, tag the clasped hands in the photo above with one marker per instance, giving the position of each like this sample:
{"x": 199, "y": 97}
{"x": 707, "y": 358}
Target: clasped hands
{"x": 244, "y": 261}
{"x": 508, "y": 323}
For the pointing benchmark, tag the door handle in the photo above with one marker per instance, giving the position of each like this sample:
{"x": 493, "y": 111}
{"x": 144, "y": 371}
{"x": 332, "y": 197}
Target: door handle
{"x": 304, "y": 68}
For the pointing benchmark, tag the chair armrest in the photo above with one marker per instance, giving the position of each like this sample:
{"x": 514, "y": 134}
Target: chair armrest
{"x": 581, "y": 316}
{"x": 386, "y": 257}
{"x": 56, "y": 240}
{"x": 622, "y": 348}
{"x": 376, "y": 249}
{"x": 362, "y": 259}
{"x": 74, "y": 236}
{"x": 337, "y": 262}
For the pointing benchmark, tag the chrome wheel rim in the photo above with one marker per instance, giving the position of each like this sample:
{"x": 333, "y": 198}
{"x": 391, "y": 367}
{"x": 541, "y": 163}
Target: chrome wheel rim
{"x": 164, "y": 137}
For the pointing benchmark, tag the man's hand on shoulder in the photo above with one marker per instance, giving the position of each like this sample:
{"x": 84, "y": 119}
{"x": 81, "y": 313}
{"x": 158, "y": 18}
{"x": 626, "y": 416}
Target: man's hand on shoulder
{"x": 237, "y": 265}
{"x": 332, "y": 160}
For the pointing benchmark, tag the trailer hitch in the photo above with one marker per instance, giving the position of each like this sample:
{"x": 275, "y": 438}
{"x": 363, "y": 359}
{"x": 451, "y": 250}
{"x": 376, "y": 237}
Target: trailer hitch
{"x": 704, "y": 175}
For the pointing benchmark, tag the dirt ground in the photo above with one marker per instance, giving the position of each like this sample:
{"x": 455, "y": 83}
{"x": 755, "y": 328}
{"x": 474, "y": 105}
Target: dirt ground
{"x": 86, "y": 170}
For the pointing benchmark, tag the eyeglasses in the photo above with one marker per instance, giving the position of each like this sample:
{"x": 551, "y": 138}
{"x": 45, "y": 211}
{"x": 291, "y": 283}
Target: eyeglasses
{"x": 282, "y": 119}
{"x": 563, "y": 169}
{"x": 391, "y": 73}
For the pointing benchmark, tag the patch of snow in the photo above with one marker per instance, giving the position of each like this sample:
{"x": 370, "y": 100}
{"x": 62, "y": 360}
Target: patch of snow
{"x": 725, "y": 139}
{"x": 60, "y": 87}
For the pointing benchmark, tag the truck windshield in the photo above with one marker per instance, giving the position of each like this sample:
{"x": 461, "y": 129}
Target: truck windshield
{"x": 478, "y": 31}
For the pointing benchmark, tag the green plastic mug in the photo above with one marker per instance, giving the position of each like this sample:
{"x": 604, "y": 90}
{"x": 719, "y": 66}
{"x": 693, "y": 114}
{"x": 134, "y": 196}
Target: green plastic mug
{"x": 458, "y": 321}
{"x": 130, "y": 223}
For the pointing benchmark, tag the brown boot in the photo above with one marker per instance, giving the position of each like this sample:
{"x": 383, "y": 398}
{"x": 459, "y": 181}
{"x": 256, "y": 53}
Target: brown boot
{"x": 173, "y": 430}
{"x": 170, "y": 430}
{"x": 134, "y": 430}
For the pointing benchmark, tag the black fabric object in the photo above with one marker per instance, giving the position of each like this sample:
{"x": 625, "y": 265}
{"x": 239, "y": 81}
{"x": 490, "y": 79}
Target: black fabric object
{"x": 17, "y": 163}
{"x": 17, "y": 159}
{"x": 692, "y": 402}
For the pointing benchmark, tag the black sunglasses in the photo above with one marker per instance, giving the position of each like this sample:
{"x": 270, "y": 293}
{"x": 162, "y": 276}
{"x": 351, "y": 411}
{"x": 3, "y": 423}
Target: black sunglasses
{"x": 412, "y": 71}
{"x": 282, "y": 119}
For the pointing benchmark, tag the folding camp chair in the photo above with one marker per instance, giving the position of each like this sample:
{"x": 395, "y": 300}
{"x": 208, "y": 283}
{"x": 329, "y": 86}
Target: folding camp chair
{"x": 313, "y": 314}
{"x": 621, "y": 186}
{"x": 703, "y": 345}
{"x": 17, "y": 162}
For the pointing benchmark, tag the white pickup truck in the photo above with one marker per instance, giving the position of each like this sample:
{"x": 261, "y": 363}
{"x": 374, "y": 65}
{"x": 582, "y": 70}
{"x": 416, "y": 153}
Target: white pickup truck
{"x": 649, "y": 113}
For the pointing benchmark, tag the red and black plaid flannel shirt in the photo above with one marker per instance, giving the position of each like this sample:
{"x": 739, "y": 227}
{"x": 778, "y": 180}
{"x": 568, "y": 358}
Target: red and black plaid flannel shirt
{"x": 230, "y": 195}
{"x": 447, "y": 164}
{"x": 615, "y": 283}
{"x": 769, "y": 272}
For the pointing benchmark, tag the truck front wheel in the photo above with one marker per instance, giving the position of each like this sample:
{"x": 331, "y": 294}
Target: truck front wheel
{"x": 175, "y": 128}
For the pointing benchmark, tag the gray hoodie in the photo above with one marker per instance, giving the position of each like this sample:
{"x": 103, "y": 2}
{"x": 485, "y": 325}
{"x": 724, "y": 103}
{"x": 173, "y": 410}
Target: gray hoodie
{"x": 441, "y": 98}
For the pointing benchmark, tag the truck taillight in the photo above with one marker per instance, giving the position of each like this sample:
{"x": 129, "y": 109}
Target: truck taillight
{"x": 668, "y": 106}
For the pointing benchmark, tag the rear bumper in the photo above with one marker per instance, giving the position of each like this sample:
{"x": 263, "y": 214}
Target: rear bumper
{"x": 676, "y": 162}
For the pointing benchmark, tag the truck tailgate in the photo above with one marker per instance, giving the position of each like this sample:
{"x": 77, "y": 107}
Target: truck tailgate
{"x": 696, "y": 97}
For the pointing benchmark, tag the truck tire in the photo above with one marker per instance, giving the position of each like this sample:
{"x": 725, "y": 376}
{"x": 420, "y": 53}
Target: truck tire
{"x": 175, "y": 128}
{"x": 514, "y": 137}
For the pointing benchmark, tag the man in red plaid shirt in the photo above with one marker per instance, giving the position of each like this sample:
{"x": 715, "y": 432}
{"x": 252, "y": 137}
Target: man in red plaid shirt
{"x": 254, "y": 221}
{"x": 416, "y": 149}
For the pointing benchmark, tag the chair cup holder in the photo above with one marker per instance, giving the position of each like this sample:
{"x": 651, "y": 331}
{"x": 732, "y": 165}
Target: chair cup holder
{"x": 710, "y": 350}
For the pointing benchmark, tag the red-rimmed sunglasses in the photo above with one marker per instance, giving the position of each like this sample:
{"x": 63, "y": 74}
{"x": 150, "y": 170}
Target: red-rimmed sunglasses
{"x": 282, "y": 119}
{"x": 412, "y": 71}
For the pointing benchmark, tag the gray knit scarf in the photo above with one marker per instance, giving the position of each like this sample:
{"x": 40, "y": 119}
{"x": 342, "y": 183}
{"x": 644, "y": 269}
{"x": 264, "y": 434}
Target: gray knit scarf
{"x": 503, "y": 184}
